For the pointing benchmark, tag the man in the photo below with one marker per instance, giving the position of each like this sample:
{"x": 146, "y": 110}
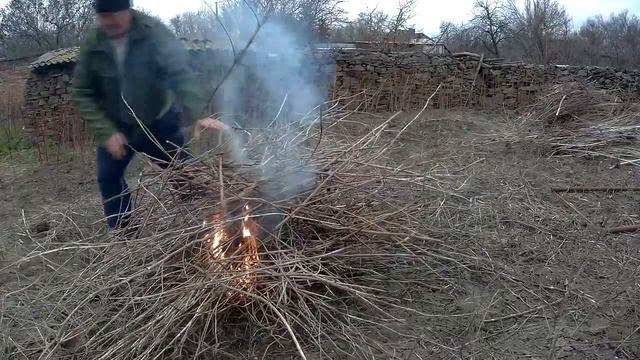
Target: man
{"x": 131, "y": 75}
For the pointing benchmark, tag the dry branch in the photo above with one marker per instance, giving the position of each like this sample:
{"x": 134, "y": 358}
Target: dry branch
{"x": 293, "y": 247}
{"x": 593, "y": 189}
{"x": 575, "y": 101}
{"x": 624, "y": 229}
{"x": 580, "y": 119}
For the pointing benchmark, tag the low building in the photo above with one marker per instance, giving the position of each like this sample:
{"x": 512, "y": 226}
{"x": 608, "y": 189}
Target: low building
{"x": 403, "y": 40}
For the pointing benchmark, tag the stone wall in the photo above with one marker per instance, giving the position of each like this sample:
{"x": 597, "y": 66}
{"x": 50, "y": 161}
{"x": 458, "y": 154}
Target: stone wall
{"x": 373, "y": 81}
{"x": 399, "y": 81}
{"x": 49, "y": 114}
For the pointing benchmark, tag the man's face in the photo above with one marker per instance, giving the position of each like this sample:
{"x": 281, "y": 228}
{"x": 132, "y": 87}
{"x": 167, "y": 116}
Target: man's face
{"x": 115, "y": 24}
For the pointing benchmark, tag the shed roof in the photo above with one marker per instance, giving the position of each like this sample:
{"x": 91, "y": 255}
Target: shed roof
{"x": 56, "y": 57}
{"x": 70, "y": 55}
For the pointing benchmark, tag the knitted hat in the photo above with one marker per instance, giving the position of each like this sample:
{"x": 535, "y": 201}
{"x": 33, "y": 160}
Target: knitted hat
{"x": 110, "y": 6}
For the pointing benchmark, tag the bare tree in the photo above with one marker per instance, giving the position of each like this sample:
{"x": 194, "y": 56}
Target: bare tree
{"x": 538, "y": 31}
{"x": 537, "y": 26}
{"x": 458, "y": 38}
{"x": 320, "y": 15}
{"x": 405, "y": 12}
{"x": 201, "y": 24}
{"x": 622, "y": 32}
{"x": 376, "y": 27}
{"x": 593, "y": 38}
{"x": 612, "y": 41}
{"x": 69, "y": 19}
{"x": 632, "y": 41}
{"x": 370, "y": 25}
{"x": 39, "y": 25}
{"x": 313, "y": 15}
{"x": 490, "y": 23}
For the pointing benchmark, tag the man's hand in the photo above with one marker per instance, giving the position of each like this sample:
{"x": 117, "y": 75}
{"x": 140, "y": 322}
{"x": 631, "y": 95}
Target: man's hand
{"x": 208, "y": 123}
{"x": 116, "y": 145}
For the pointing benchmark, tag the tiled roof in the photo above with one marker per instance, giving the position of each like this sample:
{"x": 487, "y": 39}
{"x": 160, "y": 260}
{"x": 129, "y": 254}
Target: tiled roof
{"x": 69, "y": 55}
{"x": 197, "y": 44}
{"x": 56, "y": 57}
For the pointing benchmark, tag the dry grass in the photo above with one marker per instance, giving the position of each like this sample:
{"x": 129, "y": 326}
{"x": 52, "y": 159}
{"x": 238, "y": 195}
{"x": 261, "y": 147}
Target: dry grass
{"x": 575, "y": 102}
{"x": 576, "y": 118}
{"x": 355, "y": 271}
{"x": 11, "y": 123}
{"x": 313, "y": 278}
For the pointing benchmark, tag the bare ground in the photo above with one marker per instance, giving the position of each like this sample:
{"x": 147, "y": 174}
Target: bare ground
{"x": 556, "y": 286}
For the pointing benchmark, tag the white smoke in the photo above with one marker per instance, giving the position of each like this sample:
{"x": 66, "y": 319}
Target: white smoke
{"x": 275, "y": 76}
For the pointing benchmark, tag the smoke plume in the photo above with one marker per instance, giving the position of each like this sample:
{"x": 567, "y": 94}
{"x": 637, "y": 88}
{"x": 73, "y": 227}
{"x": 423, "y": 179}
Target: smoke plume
{"x": 275, "y": 91}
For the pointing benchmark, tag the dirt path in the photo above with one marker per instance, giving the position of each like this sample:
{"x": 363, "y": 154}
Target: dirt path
{"x": 561, "y": 287}
{"x": 27, "y": 186}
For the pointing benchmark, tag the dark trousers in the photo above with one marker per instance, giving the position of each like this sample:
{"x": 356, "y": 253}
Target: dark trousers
{"x": 113, "y": 187}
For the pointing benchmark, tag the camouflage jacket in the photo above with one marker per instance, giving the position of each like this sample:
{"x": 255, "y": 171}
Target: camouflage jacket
{"x": 154, "y": 76}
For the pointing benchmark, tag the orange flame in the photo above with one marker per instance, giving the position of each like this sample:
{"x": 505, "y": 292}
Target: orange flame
{"x": 216, "y": 246}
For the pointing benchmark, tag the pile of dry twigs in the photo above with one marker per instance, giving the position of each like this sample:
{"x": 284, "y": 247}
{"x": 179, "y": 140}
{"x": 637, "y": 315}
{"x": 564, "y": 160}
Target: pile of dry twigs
{"x": 615, "y": 138}
{"x": 586, "y": 121}
{"x": 575, "y": 102}
{"x": 282, "y": 252}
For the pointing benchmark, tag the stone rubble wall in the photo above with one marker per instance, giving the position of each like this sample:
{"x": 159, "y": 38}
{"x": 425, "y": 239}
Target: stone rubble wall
{"x": 49, "y": 114}
{"x": 368, "y": 80}
{"x": 402, "y": 81}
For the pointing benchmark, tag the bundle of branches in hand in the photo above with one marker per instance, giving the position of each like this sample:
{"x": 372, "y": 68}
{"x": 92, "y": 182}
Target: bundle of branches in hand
{"x": 288, "y": 253}
{"x": 574, "y": 102}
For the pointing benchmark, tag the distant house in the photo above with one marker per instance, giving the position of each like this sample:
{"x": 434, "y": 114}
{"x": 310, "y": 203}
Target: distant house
{"x": 419, "y": 40}
{"x": 403, "y": 40}
{"x": 336, "y": 45}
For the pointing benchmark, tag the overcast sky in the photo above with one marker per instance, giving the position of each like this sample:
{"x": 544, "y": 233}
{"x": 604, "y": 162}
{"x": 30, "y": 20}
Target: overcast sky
{"x": 429, "y": 14}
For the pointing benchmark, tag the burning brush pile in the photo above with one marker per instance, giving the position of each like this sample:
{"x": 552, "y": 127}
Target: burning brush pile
{"x": 286, "y": 254}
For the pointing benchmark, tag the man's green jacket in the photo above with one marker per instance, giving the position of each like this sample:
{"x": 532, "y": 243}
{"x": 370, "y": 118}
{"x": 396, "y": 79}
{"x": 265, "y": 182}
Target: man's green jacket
{"x": 155, "y": 76}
